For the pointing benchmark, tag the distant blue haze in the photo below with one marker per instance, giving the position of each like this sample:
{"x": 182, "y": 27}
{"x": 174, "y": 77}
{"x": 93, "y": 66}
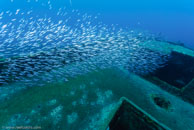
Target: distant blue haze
{"x": 173, "y": 19}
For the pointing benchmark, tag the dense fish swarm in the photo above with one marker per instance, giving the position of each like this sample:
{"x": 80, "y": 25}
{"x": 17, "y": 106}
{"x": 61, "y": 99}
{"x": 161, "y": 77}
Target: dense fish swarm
{"x": 36, "y": 48}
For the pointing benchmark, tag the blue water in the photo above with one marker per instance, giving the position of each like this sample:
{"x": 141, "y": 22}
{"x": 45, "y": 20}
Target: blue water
{"x": 172, "y": 20}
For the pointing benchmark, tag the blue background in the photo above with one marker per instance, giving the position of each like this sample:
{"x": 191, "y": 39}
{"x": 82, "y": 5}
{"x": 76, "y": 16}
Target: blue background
{"x": 173, "y": 19}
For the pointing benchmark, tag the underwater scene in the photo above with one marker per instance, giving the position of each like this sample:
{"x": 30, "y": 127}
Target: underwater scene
{"x": 96, "y": 65}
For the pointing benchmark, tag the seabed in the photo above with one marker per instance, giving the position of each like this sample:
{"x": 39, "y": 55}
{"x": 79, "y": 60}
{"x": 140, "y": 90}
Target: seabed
{"x": 108, "y": 99}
